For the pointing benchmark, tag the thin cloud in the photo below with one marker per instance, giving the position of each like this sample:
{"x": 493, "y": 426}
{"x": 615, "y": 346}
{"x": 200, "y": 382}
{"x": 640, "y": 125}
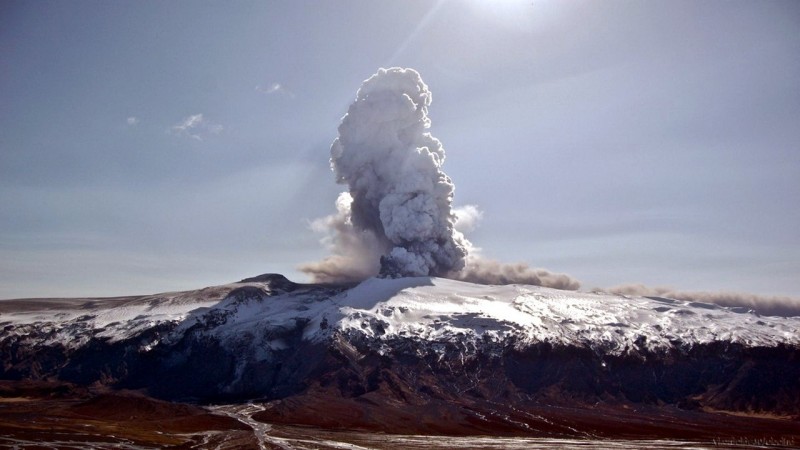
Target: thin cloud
{"x": 274, "y": 88}
{"x": 132, "y": 121}
{"x": 195, "y": 127}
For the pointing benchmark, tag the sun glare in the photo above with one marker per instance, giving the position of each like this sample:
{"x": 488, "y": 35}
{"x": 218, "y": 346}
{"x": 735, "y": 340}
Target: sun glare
{"x": 518, "y": 14}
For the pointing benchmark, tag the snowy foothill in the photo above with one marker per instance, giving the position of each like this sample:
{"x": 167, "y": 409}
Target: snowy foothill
{"x": 441, "y": 309}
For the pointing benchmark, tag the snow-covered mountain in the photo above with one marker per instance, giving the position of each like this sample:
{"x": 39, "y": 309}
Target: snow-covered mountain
{"x": 410, "y": 341}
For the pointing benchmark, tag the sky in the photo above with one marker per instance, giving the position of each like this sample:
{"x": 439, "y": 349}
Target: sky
{"x": 158, "y": 146}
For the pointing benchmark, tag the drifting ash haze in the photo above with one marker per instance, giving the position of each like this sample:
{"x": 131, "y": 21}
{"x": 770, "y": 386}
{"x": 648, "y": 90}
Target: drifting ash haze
{"x": 761, "y": 304}
{"x": 397, "y": 218}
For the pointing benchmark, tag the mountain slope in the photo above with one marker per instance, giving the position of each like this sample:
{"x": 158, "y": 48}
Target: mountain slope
{"x": 394, "y": 353}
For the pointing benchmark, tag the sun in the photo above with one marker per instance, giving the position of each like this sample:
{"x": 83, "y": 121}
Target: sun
{"x": 510, "y": 13}
{"x": 503, "y": 4}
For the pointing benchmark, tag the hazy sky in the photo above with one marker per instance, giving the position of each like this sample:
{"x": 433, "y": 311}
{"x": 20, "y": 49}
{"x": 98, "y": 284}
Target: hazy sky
{"x": 150, "y": 146}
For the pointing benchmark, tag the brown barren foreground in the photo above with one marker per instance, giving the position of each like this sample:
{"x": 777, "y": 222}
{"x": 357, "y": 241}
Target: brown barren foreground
{"x": 47, "y": 415}
{"x": 376, "y": 412}
{"x": 58, "y": 415}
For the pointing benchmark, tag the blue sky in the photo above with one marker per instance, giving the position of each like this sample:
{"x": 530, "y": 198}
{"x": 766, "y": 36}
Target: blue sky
{"x": 152, "y": 146}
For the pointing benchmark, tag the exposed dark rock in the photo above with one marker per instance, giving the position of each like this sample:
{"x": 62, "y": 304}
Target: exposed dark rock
{"x": 274, "y": 280}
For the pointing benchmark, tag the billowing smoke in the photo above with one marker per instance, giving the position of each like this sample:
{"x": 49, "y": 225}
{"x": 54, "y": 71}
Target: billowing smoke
{"x": 397, "y": 218}
{"x": 761, "y": 304}
{"x": 392, "y": 167}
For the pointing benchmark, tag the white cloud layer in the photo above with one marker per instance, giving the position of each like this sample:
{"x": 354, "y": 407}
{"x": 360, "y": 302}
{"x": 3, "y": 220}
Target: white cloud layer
{"x": 196, "y": 127}
{"x": 274, "y": 88}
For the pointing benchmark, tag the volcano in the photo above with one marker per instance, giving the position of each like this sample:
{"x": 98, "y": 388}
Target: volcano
{"x": 410, "y": 356}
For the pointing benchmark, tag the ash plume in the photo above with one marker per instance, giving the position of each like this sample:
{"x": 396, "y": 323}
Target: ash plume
{"x": 761, "y": 304}
{"x": 392, "y": 166}
{"x": 397, "y": 218}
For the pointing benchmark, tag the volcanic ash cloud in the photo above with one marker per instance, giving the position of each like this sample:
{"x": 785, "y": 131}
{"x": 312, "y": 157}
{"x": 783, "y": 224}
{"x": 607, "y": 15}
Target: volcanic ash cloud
{"x": 400, "y": 200}
{"x": 397, "y": 218}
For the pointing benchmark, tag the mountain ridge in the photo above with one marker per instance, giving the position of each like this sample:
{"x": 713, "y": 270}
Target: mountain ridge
{"x": 456, "y": 355}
